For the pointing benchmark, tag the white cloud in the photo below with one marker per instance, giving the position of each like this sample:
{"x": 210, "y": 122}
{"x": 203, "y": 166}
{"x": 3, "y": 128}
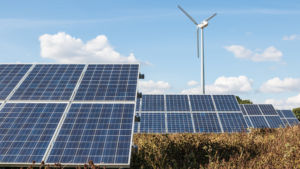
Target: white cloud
{"x": 192, "y": 83}
{"x": 225, "y": 85}
{"x": 292, "y": 37}
{"x": 276, "y": 85}
{"x": 289, "y": 103}
{"x": 269, "y": 54}
{"x": 151, "y": 87}
{"x": 66, "y": 49}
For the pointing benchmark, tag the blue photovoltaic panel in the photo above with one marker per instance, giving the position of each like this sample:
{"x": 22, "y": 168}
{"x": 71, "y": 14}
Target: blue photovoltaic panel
{"x": 233, "y": 122}
{"x": 153, "y": 123}
{"x": 285, "y": 122}
{"x": 280, "y": 114}
{"x": 248, "y": 121}
{"x": 179, "y": 123}
{"x": 153, "y": 103}
{"x": 206, "y": 122}
{"x": 98, "y": 132}
{"x": 201, "y": 103}
{"x": 26, "y": 130}
{"x": 49, "y": 82}
{"x": 274, "y": 121}
{"x": 259, "y": 122}
{"x": 226, "y": 103}
{"x": 288, "y": 114}
{"x": 136, "y": 125}
{"x": 10, "y": 75}
{"x": 267, "y": 109}
{"x": 252, "y": 109}
{"x": 138, "y": 101}
{"x": 243, "y": 110}
{"x": 109, "y": 82}
{"x": 177, "y": 103}
{"x": 293, "y": 122}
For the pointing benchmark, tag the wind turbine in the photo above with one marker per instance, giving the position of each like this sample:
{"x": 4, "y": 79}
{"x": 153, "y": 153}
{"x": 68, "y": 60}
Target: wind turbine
{"x": 201, "y": 25}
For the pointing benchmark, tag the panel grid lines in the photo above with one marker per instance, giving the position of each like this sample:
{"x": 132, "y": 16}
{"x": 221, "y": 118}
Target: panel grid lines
{"x": 179, "y": 123}
{"x": 153, "y": 103}
{"x": 152, "y": 123}
{"x": 274, "y": 121}
{"x": 226, "y": 103}
{"x": 177, "y": 103}
{"x": 233, "y": 122}
{"x": 201, "y": 103}
{"x": 206, "y": 122}
{"x": 267, "y": 109}
{"x": 252, "y": 109}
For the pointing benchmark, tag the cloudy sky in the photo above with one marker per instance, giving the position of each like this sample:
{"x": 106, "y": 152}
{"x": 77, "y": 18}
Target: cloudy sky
{"x": 252, "y": 49}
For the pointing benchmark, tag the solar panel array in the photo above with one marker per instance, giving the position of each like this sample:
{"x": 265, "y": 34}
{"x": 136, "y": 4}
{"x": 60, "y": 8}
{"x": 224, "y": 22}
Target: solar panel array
{"x": 190, "y": 113}
{"x": 67, "y": 113}
{"x": 288, "y": 117}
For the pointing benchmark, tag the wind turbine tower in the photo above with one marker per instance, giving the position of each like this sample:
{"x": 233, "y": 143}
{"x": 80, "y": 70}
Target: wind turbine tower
{"x": 201, "y": 25}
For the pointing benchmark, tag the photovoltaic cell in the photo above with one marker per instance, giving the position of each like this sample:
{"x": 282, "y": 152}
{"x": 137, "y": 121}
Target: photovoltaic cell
{"x": 177, "y": 103}
{"x": 201, "y": 103}
{"x": 10, "y": 75}
{"x": 233, "y": 122}
{"x": 274, "y": 121}
{"x": 138, "y": 101}
{"x": 243, "y": 110}
{"x": 152, "y": 123}
{"x": 153, "y": 103}
{"x": 49, "y": 82}
{"x": 26, "y": 130}
{"x": 226, "y": 103}
{"x": 267, "y": 109}
{"x": 288, "y": 114}
{"x": 206, "y": 122}
{"x": 136, "y": 125}
{"x": 285, "y": 122}
{"x": 98, "y": 132}
{"x": 280, "y": 114}
{"x": 248, "y": 121}
{"x": 259, "y": 122}
{"x": 252, "y": 109}
{"x": 109, "y": 82}
{"x": 293, "y": 122}
{"x": 179, "y": 123}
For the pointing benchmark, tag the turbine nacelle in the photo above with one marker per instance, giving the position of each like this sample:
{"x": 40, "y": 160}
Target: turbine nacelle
{"x": 203, "y": 24}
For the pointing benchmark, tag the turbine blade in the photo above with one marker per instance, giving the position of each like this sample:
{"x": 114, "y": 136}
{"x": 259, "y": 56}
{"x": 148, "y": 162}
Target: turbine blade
{"x": 198, "y": 41}
{"x": 188, "y": 15}
{"x": 211, "y": 17}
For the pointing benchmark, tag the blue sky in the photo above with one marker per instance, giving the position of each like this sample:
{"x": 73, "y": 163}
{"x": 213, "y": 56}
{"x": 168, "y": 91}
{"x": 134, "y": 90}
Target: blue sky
{"x": 251, "y": 47}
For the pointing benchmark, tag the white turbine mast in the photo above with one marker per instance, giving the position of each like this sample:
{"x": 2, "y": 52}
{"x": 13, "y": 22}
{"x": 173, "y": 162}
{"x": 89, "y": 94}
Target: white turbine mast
{"x": 201, "y": 25}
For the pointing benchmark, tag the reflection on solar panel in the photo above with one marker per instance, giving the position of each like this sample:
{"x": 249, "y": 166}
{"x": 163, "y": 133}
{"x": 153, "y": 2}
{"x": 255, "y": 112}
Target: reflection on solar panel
{"x": 138, "y": 101}
{"x": 153, "y": 123}
{"x": 98, "y": 132}
{"x": 179, "y": 123}
{"x": 280, "y": 114}
{"x": 259, "y": 122}
{"x": 201, "y": 103}
{"x": 267, "y": 109}
{"x": 153, "y": 103}
{"x": 288, "y": 114}
{"x": 293, "y": 122}
{"x": 26, "y": 130}
{"x": 136, "y": 125}
{"x": 233, "y": 122}
{"x": 243, "y": 110}
{"x": 248, "y": 121}
{"x": 252, "y": 109}
{"x": 226, "y": 103}
{"x": 49, "y": 82}
{"x": 109, "y": 82}
{"x": 177, "y": 103}
{"x": 10, "y": 75}
{"x": 285, "y": 122}
{"x": 274, "y": 121}
{"x": 206, "y": 122}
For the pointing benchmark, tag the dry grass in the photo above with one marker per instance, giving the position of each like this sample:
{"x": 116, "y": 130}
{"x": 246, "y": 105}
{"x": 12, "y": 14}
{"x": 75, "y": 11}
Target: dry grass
{"x": 262, "y": 148}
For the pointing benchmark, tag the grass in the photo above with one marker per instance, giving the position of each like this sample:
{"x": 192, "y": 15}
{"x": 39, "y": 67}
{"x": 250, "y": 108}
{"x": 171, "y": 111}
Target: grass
{"x": 262, "y": 148}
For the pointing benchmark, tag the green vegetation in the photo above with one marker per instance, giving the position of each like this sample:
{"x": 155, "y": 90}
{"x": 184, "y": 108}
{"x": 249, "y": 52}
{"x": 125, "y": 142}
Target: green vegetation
{"x": 240, "y": 101}
{"x": 262, "y": 148}
{"x": 296, "y": 111}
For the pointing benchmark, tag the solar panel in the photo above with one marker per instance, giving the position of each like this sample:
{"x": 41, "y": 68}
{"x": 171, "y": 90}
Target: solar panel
{"x": 233, "y": 122}
{"x": 274, "y": 121}
{"x": 98, "y": 132}
{"x": 288, "y": 114}
{"x": 248, "y": 121}
{"x": 243, "y": 110}
{"x": 26, "y": 130}
{"x": 206, "y": 122}
{"x": 138, "y": 101}
{"x": 293, "y": 122}
{"x": 49, "y": 82}
{"x": 177, "y": 103}
{"x": 152, "y": 123}
{"x": 280, "y": 114}
{"x": 285, "y": 122}
{"x": 259, "y": 122}
{"x": 109, "y": 82}
{"x": 179, "y": 123}
{"x": 226, "y": 103}
{"x": 201, "y": 103}
{"x": 153, "y": 103}
{"x": 252, "y": 109}
{"x": 267, "y": 109}
{"x": 10, "y": 75}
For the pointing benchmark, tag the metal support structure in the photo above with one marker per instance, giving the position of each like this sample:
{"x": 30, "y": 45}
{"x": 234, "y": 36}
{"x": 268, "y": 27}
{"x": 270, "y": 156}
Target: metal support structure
{"x": 217, "y": 113}
{"x": 166, "y": 121}
{"x": 202, "y": 63}
{"x": 191, "y": 112}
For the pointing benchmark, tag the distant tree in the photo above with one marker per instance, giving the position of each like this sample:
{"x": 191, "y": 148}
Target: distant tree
{"x": 296, "y": 111}
{"x": 240, "y": 101}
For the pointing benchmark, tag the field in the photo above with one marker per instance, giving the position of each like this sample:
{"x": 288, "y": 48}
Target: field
{"x": 262, "y": 148}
